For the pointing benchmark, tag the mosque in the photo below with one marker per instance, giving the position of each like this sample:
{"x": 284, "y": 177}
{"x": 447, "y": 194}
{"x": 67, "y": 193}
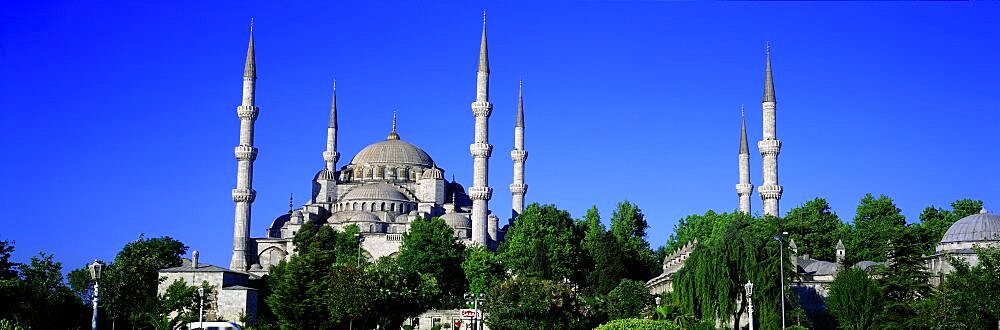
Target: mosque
{"x": 385, "y": 187}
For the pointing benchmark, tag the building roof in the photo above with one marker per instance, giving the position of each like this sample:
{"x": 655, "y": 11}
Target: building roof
{"x": 393, "y": 151}
{"x": 375, "y": 191}
{"x": 978, "y": 227}
{"x": 202, "y": 268}
{"x": 457, "y": 220}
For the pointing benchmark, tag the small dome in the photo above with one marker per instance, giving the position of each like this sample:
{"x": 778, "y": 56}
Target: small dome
{"x": 393, "y": 152}
{"x": 978, "y": 227}
{"x": 375, "y": 191}
{"x": 457, "y": 220}
{"x": 433, "y": 173}
{"x": 821, "y": 268}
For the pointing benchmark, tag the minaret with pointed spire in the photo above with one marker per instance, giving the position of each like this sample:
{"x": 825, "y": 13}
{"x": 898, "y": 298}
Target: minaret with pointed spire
{"x": 770, "y": 146}
{"x": 326, "y": 181}
{"x": 246, "y": 153}
{"x": 480, "y": 192}
{"x": 744, "y": 188}
{"x": 519, "y": 155}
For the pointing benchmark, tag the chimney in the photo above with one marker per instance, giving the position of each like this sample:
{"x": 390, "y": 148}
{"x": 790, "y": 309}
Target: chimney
{"x": 194, "y": 259}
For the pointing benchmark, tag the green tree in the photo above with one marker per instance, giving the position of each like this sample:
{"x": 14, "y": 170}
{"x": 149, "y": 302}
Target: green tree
{"x": 8, "y": 269}
{"x": 430, "y": 248}
{"x": 703, "y": 227}
{"x": 179, "y": 303}
{"x": 855, "y": 299}
{"x": 37, "y": 297}
{"x": 129, "y": 283}
{"x": 966, "y": 298}
{"x": 602, "y": 256}
{"x": 904, "y": 281}
{"x": 321, "y": 287}
{"x": 483, "y": 269}
{"x": 629, "y": 225}
{"x": 877, "y": 222}
{"x": 814, "y": 227}
{"x": 532, "y": 303}
{"x": 628, "y": 300}
{"x": 710, "y": 286}
{"x": 542, "y": 243}
{"x": 402, "y": 293}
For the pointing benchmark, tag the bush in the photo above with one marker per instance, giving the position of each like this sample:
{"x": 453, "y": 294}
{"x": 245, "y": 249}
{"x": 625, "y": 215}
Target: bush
{"x": 628, "y": 300}
{"x": 637, "y": 324}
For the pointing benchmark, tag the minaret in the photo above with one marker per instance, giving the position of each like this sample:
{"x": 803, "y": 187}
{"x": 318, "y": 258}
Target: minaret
{"x": 481, "y": 148}
{"x": 744, "y": 188}
{"x": 246, "y": 153}
{"x": 769, "y": 146}
{"x": 327, "y": 179}
{"x": 519, "y": 155}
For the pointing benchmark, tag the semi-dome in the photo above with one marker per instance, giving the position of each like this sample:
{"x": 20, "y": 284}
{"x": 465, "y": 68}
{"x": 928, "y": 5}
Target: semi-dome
{"x": 375, "y": 191}
{"x": 978, "y": 227}
{"x": 393, "y": 152}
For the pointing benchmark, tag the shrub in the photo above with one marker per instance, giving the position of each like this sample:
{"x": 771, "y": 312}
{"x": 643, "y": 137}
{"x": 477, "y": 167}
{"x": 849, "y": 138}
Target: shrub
{"x": 637, "y": 324}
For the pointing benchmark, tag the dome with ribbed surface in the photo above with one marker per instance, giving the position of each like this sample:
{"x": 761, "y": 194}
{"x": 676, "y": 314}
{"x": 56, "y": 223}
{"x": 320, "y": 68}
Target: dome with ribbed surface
{"x": 393, "y": 152}
{"x": 978, "y": 227}
{"x": 375, "y": 191}
{"x": 457, "y": 220}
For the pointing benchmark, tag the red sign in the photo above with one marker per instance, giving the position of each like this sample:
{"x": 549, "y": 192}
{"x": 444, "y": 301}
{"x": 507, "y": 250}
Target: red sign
{"x": 469, "y": 313}
{"x": 458, "y": 324}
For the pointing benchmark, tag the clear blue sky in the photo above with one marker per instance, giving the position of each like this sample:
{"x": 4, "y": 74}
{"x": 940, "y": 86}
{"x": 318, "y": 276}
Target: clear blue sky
{"x": 119, "y": 118}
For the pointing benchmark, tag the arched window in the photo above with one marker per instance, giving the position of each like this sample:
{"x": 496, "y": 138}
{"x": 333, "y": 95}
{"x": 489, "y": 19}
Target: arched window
{"x": 364, "y": 206}
{"x": 373, "y": 207}
{"x": 354, "y": 207}
{"x": 372, "y": 227}
{"x": 392, "y": 207}
{"x": 382, "y": 207}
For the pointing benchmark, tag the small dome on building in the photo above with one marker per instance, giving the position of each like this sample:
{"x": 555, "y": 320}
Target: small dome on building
{"x": 457, "y": 220}
{"x": 393, "y": 152}
{"x": 375, "y": 191}
{"x": 364, "y": 217}
{"x": 980, "y": 227}
{"x": 433, "y": 173}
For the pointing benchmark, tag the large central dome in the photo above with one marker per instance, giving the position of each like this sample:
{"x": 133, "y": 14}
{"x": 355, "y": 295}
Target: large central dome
{"x": 393, "y": 151}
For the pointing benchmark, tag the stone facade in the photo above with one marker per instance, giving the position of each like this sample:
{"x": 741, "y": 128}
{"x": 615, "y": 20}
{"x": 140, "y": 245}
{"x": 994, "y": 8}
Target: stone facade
{"x": 231, "y": 298}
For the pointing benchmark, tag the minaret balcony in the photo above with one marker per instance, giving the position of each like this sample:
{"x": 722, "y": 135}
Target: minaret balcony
{"x": 247, "y": 112}
{"x": 519, "y": 155}
{"x": 481, "y": 150}
{"x": 518, "y": 188}
{"x": 770, "y": 191}
{"x": 244, "y": 195}
{"x": 769, "y": 147}
{"x": 481, "y": 193}
{"x": 482, "y": 108}
{"x": 331, "y": 156}
{"x": 245, "y": 152}
{"x": 744, "y": 188}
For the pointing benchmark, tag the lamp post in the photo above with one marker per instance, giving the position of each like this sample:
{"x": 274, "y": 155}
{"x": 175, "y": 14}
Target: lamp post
{"x": 749, "y": 289}
{"x": 201, "y": 307}
{"x": 781, "y": 254}
{"x": 361, "y": 239}
{"x": 474, "y": 299}
{"x": 95, "y": 273}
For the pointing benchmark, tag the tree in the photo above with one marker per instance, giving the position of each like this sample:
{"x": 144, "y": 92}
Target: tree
{"x": 966, "y": 298}
{"x": 532, "y": 303}
{"x": 129, "y": 283}
{"x": 854, "y": 299}
{"x": 877, "y": 222}
{"x": 8, "y": 269}
{"x": 321, "y": 287}
{"x": 542, "y": 243}
{"x": 814, "y": 227}
{"x": 402, "y": 294}
{"x": 178, "y": 304}
{"x": 482, "y": 269}
{"x": 628, "y": 300}
{"x": 430, "y": 248}
{"x": 710, "y": 285}
{"x": 629, "y": 225}
{"x": 702, "y": 227}
{"x": 37, "y": 297}
{"x": 904, "y": 281}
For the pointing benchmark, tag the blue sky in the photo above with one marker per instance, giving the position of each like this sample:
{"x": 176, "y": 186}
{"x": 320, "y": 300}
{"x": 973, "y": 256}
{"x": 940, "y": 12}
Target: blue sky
{"x": 119, "y": 118}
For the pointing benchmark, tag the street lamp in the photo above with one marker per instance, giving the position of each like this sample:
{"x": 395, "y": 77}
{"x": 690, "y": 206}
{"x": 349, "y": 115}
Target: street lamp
{"x": 95, "y": 273}
{"x": 474, "y": 299}
{"x": 749, "y": 289}
{"x": 657, "y": 299}
{"x": 781, "y": 254}
{"x": 201, "y": 307}
{"x": 360, "y": 239}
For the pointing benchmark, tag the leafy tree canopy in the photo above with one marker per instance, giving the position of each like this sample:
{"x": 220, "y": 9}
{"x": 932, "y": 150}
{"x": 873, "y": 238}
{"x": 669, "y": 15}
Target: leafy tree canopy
{"x": 542, "y": 243}
{"x": 877, "y": 222}
{"x": 815, "y": 229}
{"x": 129, "y": 283}
{"x": 628, "y": 300}
{"x": 430, "y": 248}
{"x": 482, "y": 269}
{"x": 854, "y": 299}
